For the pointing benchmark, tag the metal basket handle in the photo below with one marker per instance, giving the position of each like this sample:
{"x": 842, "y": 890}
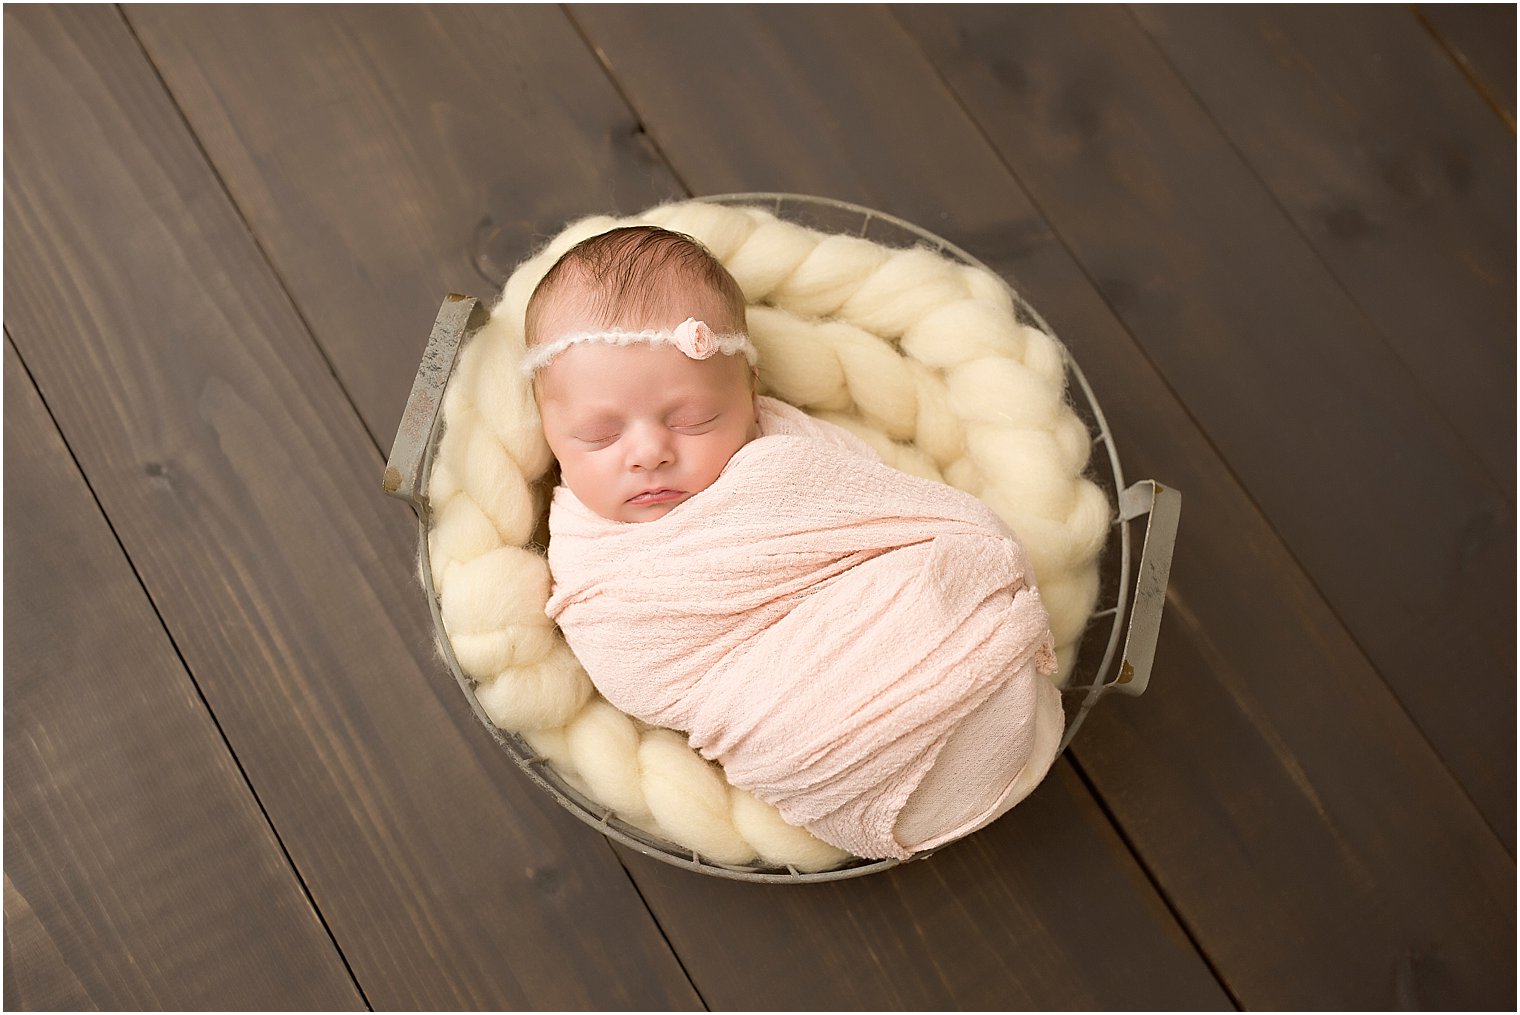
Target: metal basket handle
{"x": 458, "y": 317}
{"x": 1164, "y": 506}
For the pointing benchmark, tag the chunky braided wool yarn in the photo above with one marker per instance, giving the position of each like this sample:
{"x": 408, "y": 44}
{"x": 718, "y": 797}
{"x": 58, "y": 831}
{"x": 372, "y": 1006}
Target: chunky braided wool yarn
{"x": 921, "y": 356}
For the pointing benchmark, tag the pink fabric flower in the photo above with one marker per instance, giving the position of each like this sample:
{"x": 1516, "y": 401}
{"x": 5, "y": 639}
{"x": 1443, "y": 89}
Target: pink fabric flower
{"x": 695, "y": 339}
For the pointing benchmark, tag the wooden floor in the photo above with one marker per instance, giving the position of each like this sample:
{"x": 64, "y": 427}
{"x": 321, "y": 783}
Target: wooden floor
{"x": 1280, "y": 242}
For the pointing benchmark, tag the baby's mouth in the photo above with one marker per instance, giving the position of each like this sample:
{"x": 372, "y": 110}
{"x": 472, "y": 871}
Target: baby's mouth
{"x": 660, "y": 496}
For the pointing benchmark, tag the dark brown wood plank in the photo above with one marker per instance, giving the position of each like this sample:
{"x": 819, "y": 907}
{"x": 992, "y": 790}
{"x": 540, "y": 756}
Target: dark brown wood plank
{"x": 139, "y": 872}
{"x": 1318, "y": 851}
{"x": 245, "y": 490}
{"x": 1481, "y": 39}
{"x": 1390, "y": 514}
{"x": 729, "y": 942}
{"x": 1395, "y": 172}
{"x": 390, "y": 155}
{"x": 1030, "y": 914}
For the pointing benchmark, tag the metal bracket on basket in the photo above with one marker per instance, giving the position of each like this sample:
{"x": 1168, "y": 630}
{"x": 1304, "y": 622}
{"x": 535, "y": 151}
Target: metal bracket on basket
{"x": 458, "y": 317}
{"x": 1164, "y": 506}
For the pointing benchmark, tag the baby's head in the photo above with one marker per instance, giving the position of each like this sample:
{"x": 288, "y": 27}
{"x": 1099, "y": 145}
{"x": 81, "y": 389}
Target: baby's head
{"x": 643, "y": 370}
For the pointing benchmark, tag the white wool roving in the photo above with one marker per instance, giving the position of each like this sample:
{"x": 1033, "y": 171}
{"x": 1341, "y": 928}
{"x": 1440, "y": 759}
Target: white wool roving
{"x": 920, "y": 356}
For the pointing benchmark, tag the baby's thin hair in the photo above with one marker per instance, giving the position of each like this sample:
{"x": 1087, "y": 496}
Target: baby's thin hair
{"x": 631, "y": 271}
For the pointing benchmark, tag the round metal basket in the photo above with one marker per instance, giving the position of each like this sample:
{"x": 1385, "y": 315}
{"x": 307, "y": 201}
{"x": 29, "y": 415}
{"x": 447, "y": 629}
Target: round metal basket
{"x": 1135, "y": 595}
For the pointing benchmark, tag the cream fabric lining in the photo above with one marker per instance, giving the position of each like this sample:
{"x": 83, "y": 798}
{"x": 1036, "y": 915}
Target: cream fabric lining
{"x": 920, "y": 356}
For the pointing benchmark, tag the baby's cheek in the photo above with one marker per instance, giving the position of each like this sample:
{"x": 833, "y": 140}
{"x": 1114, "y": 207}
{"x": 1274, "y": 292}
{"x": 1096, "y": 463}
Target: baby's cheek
{"x": 580, "y": 480}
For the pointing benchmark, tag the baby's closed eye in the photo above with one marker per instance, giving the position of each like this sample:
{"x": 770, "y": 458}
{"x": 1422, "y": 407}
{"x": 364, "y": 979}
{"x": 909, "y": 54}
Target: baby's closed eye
{"x": 687, "y": 424}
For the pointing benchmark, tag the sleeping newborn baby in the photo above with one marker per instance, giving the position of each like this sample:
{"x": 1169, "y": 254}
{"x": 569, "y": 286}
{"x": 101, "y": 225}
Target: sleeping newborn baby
{"x": 864, "y": 649}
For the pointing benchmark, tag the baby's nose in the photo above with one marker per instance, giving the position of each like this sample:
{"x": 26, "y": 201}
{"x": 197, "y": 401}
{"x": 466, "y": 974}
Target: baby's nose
{"x": 650, "y": 447}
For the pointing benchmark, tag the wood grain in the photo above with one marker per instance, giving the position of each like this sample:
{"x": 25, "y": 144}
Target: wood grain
{"x": 1395, "y": 172}
{"x": 139, "y": 871}
{"x": 245, "y": 490}
{"x": 1026, "y": 915}
{"x": 386, "y": 156}
{"x": 1389, "y": 513}
{"x": 727, "y": 945}
{"x": 1312, "y": 845}
{"x": 1481, "y": 38}
{"x": 1282, "y": 765}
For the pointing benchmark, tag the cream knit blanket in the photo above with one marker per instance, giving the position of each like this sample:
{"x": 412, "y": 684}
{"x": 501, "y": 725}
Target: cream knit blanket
{"x": 820, "y": 624}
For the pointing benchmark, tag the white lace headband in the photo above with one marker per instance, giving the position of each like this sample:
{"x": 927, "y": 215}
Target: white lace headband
{"x": 691, "y": 336}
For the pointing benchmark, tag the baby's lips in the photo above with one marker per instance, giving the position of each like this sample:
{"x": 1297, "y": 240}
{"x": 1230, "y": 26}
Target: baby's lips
{"x": 657, "y": 496}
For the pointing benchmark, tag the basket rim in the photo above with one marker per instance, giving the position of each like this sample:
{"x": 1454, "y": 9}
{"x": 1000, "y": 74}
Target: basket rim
{"x": 601, "y": 818}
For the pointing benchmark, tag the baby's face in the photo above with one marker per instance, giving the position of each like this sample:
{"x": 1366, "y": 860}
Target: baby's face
{"x": 641, "y": 428}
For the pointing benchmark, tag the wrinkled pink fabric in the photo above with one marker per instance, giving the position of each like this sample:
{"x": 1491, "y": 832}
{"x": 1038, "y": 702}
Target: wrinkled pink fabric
{"x": 822, "y": 625}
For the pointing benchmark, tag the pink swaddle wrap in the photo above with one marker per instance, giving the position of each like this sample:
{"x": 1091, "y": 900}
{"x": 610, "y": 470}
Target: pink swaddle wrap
{"x": 824, "y": 627}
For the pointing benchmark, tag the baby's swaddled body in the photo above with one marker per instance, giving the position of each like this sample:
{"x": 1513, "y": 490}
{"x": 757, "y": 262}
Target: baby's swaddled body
{"x": 863, "y": 649}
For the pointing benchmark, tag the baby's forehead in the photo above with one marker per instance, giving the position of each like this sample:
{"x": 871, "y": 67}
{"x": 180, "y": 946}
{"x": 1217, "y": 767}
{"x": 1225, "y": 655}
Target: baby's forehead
{"x": 595, "y": 374}
{"x": 580, "y": 301}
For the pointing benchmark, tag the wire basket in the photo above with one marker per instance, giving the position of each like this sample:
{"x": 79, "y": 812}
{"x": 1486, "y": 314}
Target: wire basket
{"x": 1131, "y": 594}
